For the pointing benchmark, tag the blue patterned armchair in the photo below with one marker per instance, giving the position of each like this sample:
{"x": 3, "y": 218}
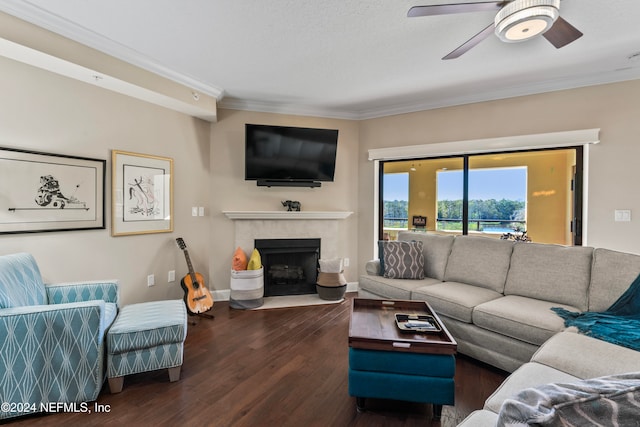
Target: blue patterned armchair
{"x": 52, "y": 338}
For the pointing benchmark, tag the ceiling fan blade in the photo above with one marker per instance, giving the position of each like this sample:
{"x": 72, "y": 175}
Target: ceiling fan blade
{"x": 446, "y": 9}
{"x": 466, "y": 46}
{"x": 562, "y": 33}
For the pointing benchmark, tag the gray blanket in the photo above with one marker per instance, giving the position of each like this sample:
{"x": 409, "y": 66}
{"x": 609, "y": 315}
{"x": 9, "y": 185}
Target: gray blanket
{"x": 604, "y": 401}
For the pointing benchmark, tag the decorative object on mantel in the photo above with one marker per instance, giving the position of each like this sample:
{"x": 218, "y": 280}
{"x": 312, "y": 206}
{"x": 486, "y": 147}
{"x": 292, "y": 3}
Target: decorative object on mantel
{"x": 247, "y": 280}
{"x": 291, "y": 205}
{"x": 331, "y": 284}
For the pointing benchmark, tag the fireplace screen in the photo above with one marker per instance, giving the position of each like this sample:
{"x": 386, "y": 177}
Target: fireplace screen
{"x": 290, "y": 265}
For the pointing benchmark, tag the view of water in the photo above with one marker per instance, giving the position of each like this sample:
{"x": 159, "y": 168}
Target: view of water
{"x": 497, "y": 230}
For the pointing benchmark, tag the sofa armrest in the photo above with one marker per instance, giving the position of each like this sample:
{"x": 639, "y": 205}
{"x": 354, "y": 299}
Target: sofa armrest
{"x": 373, "y": 267}
{"x": 46, "y": 346}
{"x": 106, "y": 290}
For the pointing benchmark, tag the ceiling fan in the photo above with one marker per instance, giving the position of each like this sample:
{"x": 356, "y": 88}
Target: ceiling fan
{"x": 515, "y": 21}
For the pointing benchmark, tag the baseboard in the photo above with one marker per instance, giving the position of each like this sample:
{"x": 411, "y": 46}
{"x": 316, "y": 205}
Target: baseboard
{"x": 225, "y": 294}
{"x": 352, "y": 286}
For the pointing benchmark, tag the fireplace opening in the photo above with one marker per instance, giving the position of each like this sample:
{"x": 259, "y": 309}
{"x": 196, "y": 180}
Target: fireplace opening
{"x": 290, "y": 265}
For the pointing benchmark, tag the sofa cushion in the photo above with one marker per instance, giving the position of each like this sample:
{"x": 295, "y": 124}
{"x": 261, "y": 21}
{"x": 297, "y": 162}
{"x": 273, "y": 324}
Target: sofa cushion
{"x": 147, "y": 324}
{"x": 611, "y": 275}
{"x": 453, "y": 299}
{"x": 527, "y": 375}
{"x": 403, "y": 260}
{"x": 392, "y": 288}
{"x": 604, "y": 358}
{"x": 480, "y": 261}
{"x": 522, "y": 318}
{"x": 615, "y": 399}
{"x": 435, "y": 248}
{"x": 551, "y": 273}
{"x": 20, "y": 281}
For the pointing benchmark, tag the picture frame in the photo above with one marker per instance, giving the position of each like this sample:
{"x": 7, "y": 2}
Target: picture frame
{"x": 42, "y": 192}
{"x": 141, "y": 193}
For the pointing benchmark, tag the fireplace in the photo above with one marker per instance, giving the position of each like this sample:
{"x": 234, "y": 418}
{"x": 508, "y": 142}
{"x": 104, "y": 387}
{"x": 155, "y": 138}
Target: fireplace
{"x": 290, "y": 265}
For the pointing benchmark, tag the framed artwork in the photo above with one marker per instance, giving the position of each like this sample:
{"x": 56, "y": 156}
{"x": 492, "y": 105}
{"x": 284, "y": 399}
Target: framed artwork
{"x": 142, "y": 194}
{"x": 50, "y": 192}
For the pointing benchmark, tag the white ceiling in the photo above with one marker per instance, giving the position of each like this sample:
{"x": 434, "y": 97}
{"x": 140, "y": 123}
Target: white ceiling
{"x": 337, "y": 58}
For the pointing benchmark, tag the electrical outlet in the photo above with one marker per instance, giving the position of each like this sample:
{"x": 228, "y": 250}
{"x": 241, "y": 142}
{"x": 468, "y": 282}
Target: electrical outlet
{"x": 171, "y": 277}
{"x": 201, "y": 211}
{"x": 346, "y": 262}
{"x": 151, "y": 280}
{"x": 623, "y": 215}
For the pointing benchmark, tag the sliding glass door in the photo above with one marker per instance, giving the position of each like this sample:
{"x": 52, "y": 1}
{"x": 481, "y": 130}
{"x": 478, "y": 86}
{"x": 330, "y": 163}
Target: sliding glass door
{"x": 534, "y": 194}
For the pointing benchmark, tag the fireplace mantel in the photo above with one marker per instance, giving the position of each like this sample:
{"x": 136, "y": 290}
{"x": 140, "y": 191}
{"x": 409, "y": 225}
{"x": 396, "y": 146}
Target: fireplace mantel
{"x": 286, "y": 215}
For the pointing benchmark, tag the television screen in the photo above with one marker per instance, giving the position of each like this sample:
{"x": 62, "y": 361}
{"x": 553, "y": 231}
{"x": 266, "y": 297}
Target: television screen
{"x": 279, "y": 153}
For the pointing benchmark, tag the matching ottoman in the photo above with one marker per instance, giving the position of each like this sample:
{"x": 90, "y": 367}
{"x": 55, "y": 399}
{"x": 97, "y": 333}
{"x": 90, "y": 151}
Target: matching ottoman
{"x": 146, "y": 337}
{"x": 412, "y": 377}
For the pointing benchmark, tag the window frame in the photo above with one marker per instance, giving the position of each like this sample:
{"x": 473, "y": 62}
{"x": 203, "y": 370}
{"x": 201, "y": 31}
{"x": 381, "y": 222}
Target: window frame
{"x": 578, "y": 181}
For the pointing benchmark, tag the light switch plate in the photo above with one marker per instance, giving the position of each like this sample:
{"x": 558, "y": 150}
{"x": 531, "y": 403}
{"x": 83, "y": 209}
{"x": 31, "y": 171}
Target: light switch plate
{"x": 623, "y": 215}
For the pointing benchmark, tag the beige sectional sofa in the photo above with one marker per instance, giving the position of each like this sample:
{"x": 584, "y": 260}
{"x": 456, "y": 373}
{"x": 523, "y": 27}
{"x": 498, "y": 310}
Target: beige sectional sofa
{"x": 495, "y": 297}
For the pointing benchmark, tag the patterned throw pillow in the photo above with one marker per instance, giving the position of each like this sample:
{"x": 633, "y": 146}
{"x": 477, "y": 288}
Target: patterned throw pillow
{"x": 403, "y": 260}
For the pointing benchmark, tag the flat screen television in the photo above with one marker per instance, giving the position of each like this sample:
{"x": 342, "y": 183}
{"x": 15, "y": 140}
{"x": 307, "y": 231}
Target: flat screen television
{"x": 289, "y": 156}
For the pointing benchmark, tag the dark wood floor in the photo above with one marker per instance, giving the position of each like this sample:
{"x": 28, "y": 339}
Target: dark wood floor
{"x": 281, "y": 367}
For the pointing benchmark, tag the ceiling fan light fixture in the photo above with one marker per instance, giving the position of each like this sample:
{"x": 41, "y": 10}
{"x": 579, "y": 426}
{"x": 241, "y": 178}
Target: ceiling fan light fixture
{"x": 521, "y": 20}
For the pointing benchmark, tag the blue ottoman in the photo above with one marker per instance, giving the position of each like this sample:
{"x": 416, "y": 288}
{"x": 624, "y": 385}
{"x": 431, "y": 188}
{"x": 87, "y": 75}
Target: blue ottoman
{"x": 146, "y": 337}
{"x": 412, "y": 377}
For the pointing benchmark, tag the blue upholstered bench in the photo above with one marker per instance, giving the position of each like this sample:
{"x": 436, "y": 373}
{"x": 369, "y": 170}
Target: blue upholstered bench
{"x": 146, "y": 337}
{"x": 412, "y": 377}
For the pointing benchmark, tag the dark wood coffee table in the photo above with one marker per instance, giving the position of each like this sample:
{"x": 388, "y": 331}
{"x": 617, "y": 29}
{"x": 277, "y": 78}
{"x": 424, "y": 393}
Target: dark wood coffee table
{"x": 387, "y": 362}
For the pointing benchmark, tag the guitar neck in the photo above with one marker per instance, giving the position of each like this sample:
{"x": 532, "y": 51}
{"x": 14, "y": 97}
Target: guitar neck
{"x": 190, "y": 266}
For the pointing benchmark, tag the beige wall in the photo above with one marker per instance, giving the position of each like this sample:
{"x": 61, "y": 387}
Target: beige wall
{"x": 612, "y": 174}
{"x": 42, "y": 111}
{"x": 230, "y": 192}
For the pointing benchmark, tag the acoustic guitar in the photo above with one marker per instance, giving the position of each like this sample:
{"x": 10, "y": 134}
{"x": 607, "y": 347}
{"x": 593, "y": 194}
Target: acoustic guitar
{"x": 197, "y": 297}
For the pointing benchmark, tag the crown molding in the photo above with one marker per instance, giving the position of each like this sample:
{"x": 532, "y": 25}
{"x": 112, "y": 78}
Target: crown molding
{"x": 617, "y": 76}
{"x": 29, "y": 12}
{"x": 288, "y": 108}
{"x": 432, "y": 103}
{"x": 37, "y": 16}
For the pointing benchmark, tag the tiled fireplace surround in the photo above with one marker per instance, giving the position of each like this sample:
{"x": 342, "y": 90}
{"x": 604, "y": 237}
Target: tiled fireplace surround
{"x": 289, "y": 225}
